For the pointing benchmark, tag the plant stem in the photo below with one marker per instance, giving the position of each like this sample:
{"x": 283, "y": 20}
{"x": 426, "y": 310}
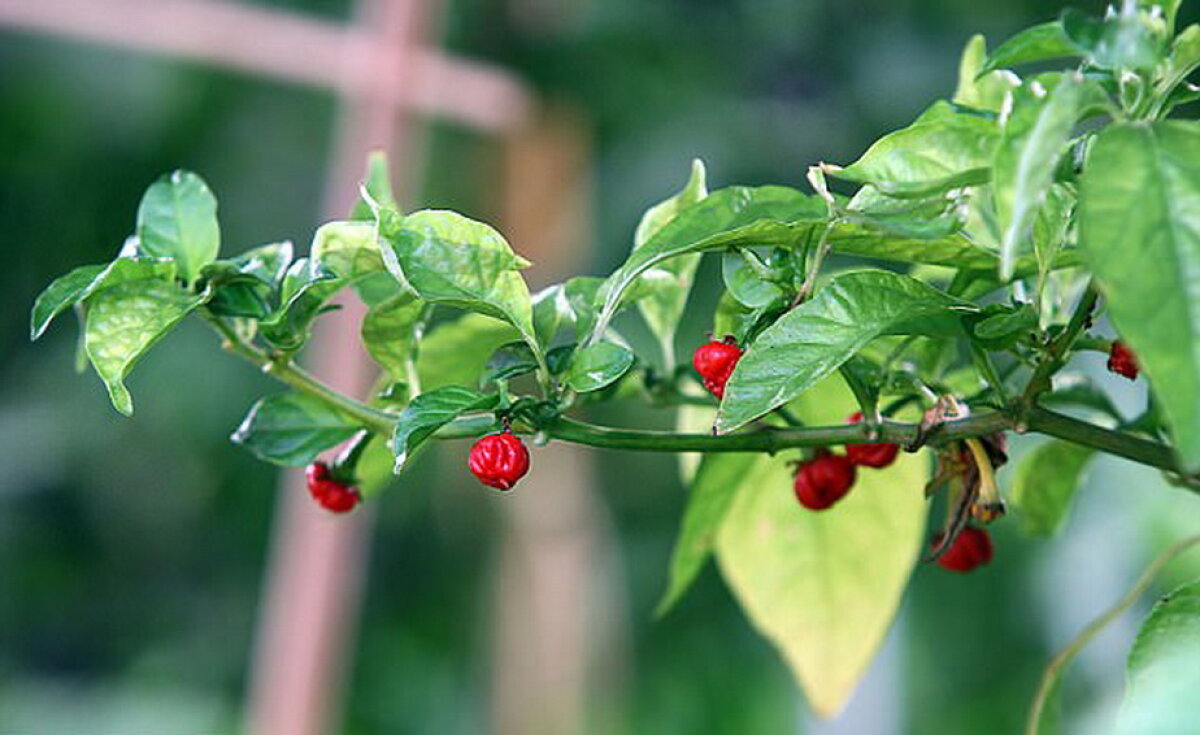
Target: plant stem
{"x": 1054, "y": 669}
{"x": 286, "y": 372}
{"x": 1056, "y": 352}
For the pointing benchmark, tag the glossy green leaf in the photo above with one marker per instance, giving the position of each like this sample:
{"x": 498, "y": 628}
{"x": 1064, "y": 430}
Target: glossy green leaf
{"x": 811, "y": 341}
{"x": 716, "y": 482}
{"x": 1040, "y": 43}
{"x": 429, "y": 412}
{"x": 823, "y": 587}
{"x": 663, "y": 306}
{"x": 1182, "y": 61}
{"x": 177, "y": 219}
{"x": 1139, "y": 224}
{"x": 597, "y": 365}
{"x": 1045, "y": 484}
{"x": 63, "y": 293}
{"x": 304, "y": 294}
{"x": 510, "y": 361}
{"x": 767, "y": 215}
{"x": 455, "y": 352}
{"x": 1005, "y": 323}
{"x": 938, "y": 152}
{"x": 1034, "y": 135}
{"x": 1162, "y": 677}
{"x": 124, "y": 321}
{"x": 1118, "y": 41}
{"x": 567, "y": 305}
{"x": 446, "y": 258}
{"x": 292, "y": 429}
{"x": 248, "y": 285}
{"x": 746, "y": 284}
{"x": 390, "y": 332}
{"x": 977, "y": 88}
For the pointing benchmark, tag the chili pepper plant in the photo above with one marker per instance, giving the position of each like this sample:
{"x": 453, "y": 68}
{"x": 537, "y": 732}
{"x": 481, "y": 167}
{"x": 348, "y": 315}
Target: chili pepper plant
{"x": 932, "y": 296}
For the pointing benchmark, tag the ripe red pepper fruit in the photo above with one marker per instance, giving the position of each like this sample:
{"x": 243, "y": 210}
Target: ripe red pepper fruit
{"x": 870, "y": 455}
{"x": 972, "y": 548}
{"x": 823, "y": 480}
{"x": 499, "y": 460}
{"x": 330, "y": 494}
{"x": 1122, "y": 361}
{"x": 715, "y": 362}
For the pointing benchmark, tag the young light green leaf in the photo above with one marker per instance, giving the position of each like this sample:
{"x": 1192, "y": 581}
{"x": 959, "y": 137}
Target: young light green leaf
{"x": 814, "y": 339}
{"x": 823, "y": 587}
{"x": 291, "y": 429}
{"x": 663, "y": 306}
{"x": 390, "y": 332}
{"x": 429, "y": 412}
{"x": 979, "y": 89}
{"x": 597, "y": 365}
{"x": 1139, "y": 206}
{"x": 509, "y": 361}
{"x": 455, "y": 352}
{"x": 347, "y": 248}
{"x": 1034, "y": 134}
{"x": 248, "y": 285}
{"x": 446, "y": 258}
{"x": 177, "y": 219}
{"x": 59, "y": 296}
{"x": 1040, "y": 43}
{"x": 1120, "y": 40}
{"x": 747, "y": 284}
{"x": 124, "y": 321}
{"x": 766, "y": 215}
{"x": 378, "y": 186}
{"x": 717, "y": 481}
{"x": 1161, "y": 675}
{"x": 940, "y": 151}
{"x": 1182, "y": 61}
{"x": 1045, "y": 484}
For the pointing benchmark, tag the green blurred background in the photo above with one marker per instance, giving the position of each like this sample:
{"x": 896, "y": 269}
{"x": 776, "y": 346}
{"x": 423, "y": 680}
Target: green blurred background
{"x": 132, "y": 551}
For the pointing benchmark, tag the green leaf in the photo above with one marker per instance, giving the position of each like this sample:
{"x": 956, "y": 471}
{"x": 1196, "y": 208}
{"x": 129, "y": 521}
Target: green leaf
{"x": 378, "y": 187}
{"x": 306, "y": 289}
{"x": 177, "y": 219}
{"x": 811, "y": 341}
{"x": 292, "y": 429}
{"x": 663, "y": 306}
{"x": 59, "y": 296}
{"x": 429, "y": 412}
{"x": 1005, "y": 323}
{"x": 597, "y": 365}
{"x": 712, "y": 491}
{"x": 823, "y": 587}
{"x": 570, "y": 304}
{"x": 1139, "y": 209}
{"x": 455, "y": 352}
{"x": 509, "y": 361}
{"x": 738, "y": 215}
{"x": 1182, "y": 61}
{"x": 940, "y": 151}
{"x": 1118, "y": 41}
{"x": 1040, "y": 43}
{"x": 1161, "y": 674}
{"x": 977, "y": 88}
{"x": 347, "y": 248}
{"x": 124, "y": 321}
{"x": 746, "y": 284}
{"x": 248, "y": 285}
{"x": 390, "y": 332}
{"x": 1045, "y": 484}
{"x": 446, "y": 258}
{"x": 1033, "y": 137}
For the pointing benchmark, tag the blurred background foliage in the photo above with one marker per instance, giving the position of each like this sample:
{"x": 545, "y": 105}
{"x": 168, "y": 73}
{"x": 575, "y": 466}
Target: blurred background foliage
{"x": 131, "y": 551}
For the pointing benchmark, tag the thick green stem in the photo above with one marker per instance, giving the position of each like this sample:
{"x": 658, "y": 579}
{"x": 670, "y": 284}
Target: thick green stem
{"x": 1054, "y": 669}
{"x": 1056, "y": 352}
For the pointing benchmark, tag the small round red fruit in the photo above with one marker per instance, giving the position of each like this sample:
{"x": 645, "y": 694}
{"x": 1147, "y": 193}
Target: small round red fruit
{"x": 870, "y": 455}
{"x": 330, "y": 494}
{"x": 1122, "y": 361}
{"x": 972, "y": 548}
{"x": 499, "y": 460}
{"x": 715, "y": 362}
{"x": 823, "y": 480}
